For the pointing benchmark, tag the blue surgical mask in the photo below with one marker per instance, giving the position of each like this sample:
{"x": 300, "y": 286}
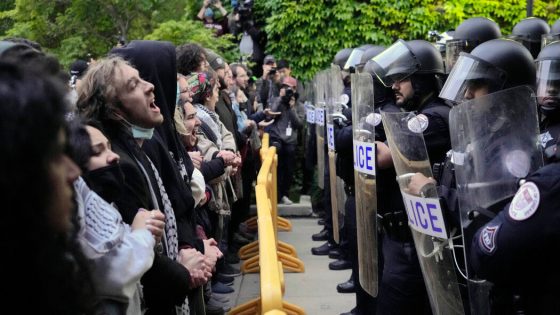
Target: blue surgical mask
{"x": 142, "y": 133}
{"x": 178, "y": 95}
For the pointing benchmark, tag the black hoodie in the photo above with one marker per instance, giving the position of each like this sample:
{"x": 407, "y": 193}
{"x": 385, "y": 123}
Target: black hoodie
{"x": 156, "y": 63}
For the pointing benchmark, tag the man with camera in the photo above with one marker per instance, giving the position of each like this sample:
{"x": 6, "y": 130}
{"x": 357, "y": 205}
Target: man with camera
{"x": 267, "y": 85}
{"x": 283, "y": 134}
{"x": 206, "y": 14}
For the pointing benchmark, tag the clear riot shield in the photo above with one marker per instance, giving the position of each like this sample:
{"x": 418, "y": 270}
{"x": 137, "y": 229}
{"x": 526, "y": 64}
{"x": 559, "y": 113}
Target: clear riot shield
{"x": 494, "y": 140}
{"x": 363, "y": 129}
{"x": 425, "y": 217}
{"x": 334, "y": 111}
{"x": 320, "y": 87}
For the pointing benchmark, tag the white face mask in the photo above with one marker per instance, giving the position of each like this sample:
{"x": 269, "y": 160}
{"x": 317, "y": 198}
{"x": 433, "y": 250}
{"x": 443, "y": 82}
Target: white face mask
{"x": 142, "y": 133}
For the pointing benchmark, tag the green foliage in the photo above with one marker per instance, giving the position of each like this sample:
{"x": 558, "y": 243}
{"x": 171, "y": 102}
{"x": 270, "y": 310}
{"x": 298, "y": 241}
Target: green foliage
{"x": 309, "y": 33}
{"x": 185, "y": 31}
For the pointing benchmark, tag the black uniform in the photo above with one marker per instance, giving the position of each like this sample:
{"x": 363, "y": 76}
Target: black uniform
{"x": 402, "y": 289}
{"x": 550, "y": 132}
{"x": 365, "y": 304}
{"x": 519, "y": 255}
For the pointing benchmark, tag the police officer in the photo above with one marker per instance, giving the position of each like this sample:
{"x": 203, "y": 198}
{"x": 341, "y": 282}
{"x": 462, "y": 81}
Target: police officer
{"x": 327, "y": 233}
{"x": 413, "y": 70}
{"x": 365, "y": 303}
{"x": 468, "y": 35}
{"x": 495, "y": 65}
{"x": 548, "y": 98}
{"x": 529, "y": 32}
{"x": 516, "y": 249}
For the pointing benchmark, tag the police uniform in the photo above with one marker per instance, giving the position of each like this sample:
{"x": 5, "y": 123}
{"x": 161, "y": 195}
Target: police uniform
{"x": 550, "y": 129}
{"x": 365, "y": 304}
{"x": 402, "y": 289}
{"x": 516, "y": 250}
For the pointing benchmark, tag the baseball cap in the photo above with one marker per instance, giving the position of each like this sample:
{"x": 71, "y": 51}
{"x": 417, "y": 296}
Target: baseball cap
{"x": 216, "y": 62}
{"x": 78, "y": 68}
{"x": 269, "y": 59}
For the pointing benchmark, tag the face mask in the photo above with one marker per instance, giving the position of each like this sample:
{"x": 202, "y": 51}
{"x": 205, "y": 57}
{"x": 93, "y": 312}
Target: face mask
{"x": 142, "y": 133}
{"x": 107, "y": 182}
{"x": 177, "y": 97}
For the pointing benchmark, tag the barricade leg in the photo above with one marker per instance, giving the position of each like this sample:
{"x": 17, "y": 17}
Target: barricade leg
{"x": 252, "y": 224}
{"x": 251, "y": 265}
{"x": 284, "y": 224}
{"x": 290, "y": 263}
{"x": 249, "y": 250}
{"x": 292, "y": 309}
{"x": 286, "y": 249}
{"x": 250, "y": 308}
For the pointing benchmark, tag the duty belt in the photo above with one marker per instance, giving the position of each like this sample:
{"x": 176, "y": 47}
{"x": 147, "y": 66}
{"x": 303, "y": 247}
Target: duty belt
{"x": 395, "y": 225}
{"x": 349, "y": 190}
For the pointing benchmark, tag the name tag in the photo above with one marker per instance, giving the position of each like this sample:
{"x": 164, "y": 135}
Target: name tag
{"x": 288, "y": 131}
{"x": 320, "y": 116}
{"x": 311, "y": 116}
{"x": 330, "y": 136}
{"x": 364, "y": 157}
{"x": 425, "y": 215}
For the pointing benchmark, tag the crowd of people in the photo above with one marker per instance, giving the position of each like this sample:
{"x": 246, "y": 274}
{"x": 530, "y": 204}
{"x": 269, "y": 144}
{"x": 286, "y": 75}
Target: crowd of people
{"x": 470, "y": 133}
{"x": 133, "y": 174}
{"x": 128, "y": 178}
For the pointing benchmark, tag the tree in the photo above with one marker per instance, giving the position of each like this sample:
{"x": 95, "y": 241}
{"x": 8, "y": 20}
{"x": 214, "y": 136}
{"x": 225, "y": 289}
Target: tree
{"x": 309, "y": 33}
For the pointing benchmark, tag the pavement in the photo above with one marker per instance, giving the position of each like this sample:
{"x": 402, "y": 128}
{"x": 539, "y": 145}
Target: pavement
{"x": 315, "y": 289}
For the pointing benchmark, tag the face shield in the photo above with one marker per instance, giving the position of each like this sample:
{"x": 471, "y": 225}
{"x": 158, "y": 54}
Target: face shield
{"x": 548, "y": 84}
{"x": 470, "y": 78}
{"x": 549, "y": 39}
{"x": 354, "y": 59}
{"x": 394, "y": 64}
{"x": 453, "y": 49}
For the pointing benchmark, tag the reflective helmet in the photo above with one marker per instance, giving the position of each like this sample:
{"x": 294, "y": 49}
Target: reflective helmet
{"x": 496, "y": 64}
{"x": 369, "y": 53}
{"x": 553, "y": 35}
{"x": 402, "y": 59}
{"x": 548, "y": 79}
{"x": 342, "y": 56}
{"x": 353, "y": 60}
{"x": 469, "y": 34}
{"x": 529, "y": 32}
{"x": 381, "y": 92}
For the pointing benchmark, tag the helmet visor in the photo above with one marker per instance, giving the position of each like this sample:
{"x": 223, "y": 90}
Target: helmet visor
{"x": 394, "y": 64}
{"x": 453, "y": 49}
{"x": 470, "y": 78}
{"x": 549, "y": 39}
{"x": 354, "y": 59}
{"x": 548, "y": 83}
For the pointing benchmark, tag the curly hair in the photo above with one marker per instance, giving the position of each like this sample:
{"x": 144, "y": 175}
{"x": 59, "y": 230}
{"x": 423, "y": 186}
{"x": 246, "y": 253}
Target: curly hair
{"x": 189, "y": 58}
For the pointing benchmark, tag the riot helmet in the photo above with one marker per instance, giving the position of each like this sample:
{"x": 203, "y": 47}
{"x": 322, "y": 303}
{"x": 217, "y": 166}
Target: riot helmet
{"x": 353, "y": 60}
{"x": 553, "y": 35}
{"x": 548, "y": 79}
{"x": 469, "y": 34}
{"x": 402, "y": 59}
{"x": 529, "y": 32}
{"x": 382, "y": 93}
{"x": 491, "y": 66}
{"x": 369, "y": 53}
{"x": 418, "y": 60}
{"x": 342, "y": 56}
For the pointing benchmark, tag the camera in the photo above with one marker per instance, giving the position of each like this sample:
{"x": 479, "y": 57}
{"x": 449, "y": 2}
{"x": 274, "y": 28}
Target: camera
{"x": 289, "y": 92}
{"x": 272, "y": 71}
{"x": 212, "y": 2}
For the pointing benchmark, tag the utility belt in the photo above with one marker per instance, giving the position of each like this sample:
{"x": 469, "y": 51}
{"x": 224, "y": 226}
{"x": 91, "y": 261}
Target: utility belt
{"x": 350, "y": 190}
{"x": 395, "y": 225}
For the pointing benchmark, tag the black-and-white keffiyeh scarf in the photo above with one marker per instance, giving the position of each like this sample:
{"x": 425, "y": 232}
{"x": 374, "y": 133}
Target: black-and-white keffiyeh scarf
{"x": 211, "y": 119}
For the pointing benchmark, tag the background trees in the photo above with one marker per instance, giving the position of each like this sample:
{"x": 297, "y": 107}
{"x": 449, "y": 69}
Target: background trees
{"x": 308, "y": 33}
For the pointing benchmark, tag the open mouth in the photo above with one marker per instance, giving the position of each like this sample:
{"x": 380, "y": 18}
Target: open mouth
{"x": 154, "y": 107}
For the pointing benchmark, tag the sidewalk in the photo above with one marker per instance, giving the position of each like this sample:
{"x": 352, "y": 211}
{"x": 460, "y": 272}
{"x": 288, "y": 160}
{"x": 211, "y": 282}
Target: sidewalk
{"x": 314, "y": 290}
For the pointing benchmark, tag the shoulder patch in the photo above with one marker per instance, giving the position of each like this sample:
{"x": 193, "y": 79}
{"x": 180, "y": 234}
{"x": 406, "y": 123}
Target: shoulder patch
{"x": 525, "y": 202}
{"x": 544, "y": 138}
{"x": 487, "y": 239}
{"x": 418, "y": 123}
